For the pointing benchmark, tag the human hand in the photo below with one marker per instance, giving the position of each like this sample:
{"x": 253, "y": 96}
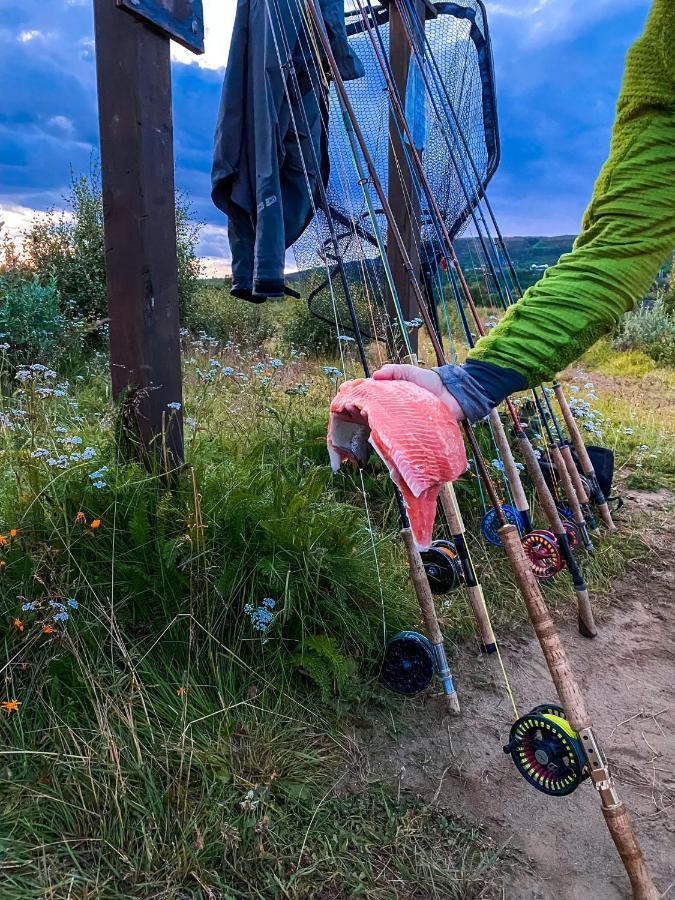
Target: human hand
{"x": 424, "y": 378}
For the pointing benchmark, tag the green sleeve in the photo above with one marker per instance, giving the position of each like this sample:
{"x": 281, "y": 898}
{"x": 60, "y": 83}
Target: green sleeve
{"x": 628, "y": 229}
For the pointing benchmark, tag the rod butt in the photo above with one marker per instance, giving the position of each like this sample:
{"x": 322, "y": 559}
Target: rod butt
{"x": 619, "y": 825}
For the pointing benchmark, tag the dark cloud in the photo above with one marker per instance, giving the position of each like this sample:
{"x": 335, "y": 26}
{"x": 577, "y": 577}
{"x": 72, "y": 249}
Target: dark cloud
{"x": 557, "y": 90}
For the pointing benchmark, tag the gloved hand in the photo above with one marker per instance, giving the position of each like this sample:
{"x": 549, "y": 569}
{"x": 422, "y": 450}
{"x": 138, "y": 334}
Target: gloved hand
{"x": 424, "y": 378}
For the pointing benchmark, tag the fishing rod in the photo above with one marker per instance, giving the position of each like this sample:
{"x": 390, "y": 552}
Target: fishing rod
{"x": 481, "y": 195}
{"x": 439, "y": 561}
{"x": 418, "y": 577}
{"x": 573, "y": 720}
{"x": 544, "y": 549}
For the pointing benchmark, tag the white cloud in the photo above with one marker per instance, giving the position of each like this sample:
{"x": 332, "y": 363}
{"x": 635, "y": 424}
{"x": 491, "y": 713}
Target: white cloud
{"x": 62, "y": 124}
{"x": 544, "y": 21}
{"x": 218, "y": 22}
{"x": 26, "y": 36}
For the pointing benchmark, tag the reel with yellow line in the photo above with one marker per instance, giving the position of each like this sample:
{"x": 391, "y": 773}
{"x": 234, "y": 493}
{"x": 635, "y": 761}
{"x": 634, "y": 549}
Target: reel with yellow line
{"x": 547, "y": 751}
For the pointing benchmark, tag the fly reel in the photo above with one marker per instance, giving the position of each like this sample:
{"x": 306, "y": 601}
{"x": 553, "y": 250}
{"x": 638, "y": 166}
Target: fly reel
{"x": 541, "y": 549}
{"x": 567, "y": 519}
{"x": 490, "y": 525}
{"x": 547, "y": 751}
{"x": 443, "y": 568}
{"x": 408, "y": 666}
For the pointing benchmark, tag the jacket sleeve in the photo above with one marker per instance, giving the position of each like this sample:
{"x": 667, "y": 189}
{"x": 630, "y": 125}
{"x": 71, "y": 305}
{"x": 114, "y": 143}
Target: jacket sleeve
{"x": 628, "y": 229}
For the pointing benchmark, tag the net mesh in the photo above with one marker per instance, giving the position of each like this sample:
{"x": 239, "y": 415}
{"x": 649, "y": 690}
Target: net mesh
{"x": 460, "y": 155}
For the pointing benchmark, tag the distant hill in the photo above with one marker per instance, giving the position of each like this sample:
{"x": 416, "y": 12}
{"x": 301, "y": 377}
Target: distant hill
{"x": 530, "y": 256}
{"x": 525, "y": 251}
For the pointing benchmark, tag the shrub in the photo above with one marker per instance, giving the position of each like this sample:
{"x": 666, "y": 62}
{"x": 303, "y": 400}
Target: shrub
{"x": 650, "y": 329}
{"x": 68, "y": 248}
{"x": 214, "y": 311}
{"x": 33, "y": 322}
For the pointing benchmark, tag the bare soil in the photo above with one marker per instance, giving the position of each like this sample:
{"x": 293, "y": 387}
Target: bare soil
{"x": 563, "y": 849}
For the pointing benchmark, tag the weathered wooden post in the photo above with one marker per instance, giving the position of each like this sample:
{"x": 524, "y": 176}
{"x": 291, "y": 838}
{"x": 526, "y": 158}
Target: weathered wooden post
{"x": 402, "y": 193}
{"x": 133, "y": 67}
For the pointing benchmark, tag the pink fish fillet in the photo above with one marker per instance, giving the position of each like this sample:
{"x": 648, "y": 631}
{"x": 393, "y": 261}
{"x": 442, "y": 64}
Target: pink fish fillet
{"x": 413, "y": 432}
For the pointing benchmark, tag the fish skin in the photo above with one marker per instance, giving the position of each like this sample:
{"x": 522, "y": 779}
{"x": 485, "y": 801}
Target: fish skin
{"x": 412, "y": 431}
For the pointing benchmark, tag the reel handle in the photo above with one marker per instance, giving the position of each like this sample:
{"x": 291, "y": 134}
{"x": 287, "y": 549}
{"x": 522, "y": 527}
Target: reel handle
{"x": 618, "y": 823}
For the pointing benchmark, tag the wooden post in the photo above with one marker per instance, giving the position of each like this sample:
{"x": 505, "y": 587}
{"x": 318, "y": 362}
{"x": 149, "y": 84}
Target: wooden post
{"x": 137, "y": 167}
{"x": 402, "y": 191}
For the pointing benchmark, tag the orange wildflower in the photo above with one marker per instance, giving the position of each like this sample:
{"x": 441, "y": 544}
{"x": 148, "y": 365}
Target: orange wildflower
{"x": 3, "y": 540}
{"x": 18, "y": 624}
{"x": 80, "y": 518}
{"x": 180, "y": 692}
{"x": 10, "y": 706}
{"x": 47, "y": 629}
{"x": 96, "y": 524}
{"x": 13, "y": 532}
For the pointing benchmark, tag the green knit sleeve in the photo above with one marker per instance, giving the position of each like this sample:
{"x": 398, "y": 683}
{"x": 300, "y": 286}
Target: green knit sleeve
{"x": 628, "y": 229}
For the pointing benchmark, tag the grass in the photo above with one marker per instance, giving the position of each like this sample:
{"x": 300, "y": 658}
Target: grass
{"x": 181, "y": 733}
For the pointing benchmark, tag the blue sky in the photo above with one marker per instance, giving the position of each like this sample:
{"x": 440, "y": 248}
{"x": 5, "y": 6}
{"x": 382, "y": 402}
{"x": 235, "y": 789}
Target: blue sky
{"x": 558, "y": 62}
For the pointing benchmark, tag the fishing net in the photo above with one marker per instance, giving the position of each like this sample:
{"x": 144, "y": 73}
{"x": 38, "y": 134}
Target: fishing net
{"x": 455, "y": 104}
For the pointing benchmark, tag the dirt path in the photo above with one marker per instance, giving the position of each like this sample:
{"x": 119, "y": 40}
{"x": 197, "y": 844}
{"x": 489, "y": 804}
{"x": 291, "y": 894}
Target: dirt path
{"x": 628, "y": 674}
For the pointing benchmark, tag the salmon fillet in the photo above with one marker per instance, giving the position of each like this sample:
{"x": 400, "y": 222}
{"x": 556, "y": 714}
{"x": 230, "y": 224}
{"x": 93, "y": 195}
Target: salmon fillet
{"x": 411, "y": 430}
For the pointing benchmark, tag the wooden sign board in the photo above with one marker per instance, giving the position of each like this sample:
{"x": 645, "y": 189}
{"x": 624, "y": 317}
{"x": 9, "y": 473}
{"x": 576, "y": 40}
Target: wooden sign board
{"x": 181, "y": 20}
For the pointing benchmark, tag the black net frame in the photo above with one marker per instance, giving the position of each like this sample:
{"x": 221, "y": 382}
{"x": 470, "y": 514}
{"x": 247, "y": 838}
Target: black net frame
{"x": 459, "y": 39}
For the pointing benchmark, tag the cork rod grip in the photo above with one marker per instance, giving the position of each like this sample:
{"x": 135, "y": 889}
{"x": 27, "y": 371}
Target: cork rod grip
{"x": 422, "y": 590}
{"x": 549, "y": 640}
{"x": 568, "y": 486}
{"x": 573, "y": 429}
{"x": 543, "y": 492}
{"x": 574, "y": 475}
{"x": 510, "y": 469}
{"x": 619, "y": 825}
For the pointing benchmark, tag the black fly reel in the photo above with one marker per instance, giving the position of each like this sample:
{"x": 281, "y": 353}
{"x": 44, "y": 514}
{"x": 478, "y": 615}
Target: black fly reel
{"x": 443, "y": 567}
{"x": 547, "y": 751}
{"x": 409, "y": 665}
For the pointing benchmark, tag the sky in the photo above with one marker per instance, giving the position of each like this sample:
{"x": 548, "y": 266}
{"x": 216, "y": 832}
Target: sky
{"x": 558, "y": 67}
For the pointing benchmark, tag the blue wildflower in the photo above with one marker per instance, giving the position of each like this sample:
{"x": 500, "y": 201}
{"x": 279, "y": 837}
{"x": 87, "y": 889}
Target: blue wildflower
{"x": 73, "y": 604}
{"x": 174, "y": 405}
{"x": 276, "y": 363}
{"x": 61, "y": 616}
{"x": 99, "y": 485}
{"x": 227, "y": 370}
{"x": 88, "y": 453}
{"x": 29, "y": 607}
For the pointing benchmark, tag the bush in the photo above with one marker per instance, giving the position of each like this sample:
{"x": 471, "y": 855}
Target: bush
{"x": 214, "y": 311}
{"x": 33, "y": 322}
{"x": 68, "y": 248}
{"x": 650, "y": 329}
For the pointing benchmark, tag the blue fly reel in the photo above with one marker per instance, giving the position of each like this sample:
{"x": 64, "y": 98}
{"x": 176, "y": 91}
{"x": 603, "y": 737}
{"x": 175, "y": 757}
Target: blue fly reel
{"x": 490, "y": 525}
{"x": 408, "y": 666}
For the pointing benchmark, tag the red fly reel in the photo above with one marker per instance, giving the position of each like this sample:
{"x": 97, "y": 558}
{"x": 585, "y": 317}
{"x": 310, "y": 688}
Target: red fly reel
{"x": 541, "y": 549}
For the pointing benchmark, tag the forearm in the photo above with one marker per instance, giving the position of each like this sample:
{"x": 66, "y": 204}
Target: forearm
{"x": 628, "y": 231}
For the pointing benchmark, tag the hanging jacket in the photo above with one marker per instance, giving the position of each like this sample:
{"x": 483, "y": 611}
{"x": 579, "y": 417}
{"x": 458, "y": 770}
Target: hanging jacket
{"x": 271, "y": 138}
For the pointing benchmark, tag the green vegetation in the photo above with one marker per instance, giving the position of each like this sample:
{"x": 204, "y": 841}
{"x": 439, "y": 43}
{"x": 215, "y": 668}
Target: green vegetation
{"x": 182, "y": 664}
